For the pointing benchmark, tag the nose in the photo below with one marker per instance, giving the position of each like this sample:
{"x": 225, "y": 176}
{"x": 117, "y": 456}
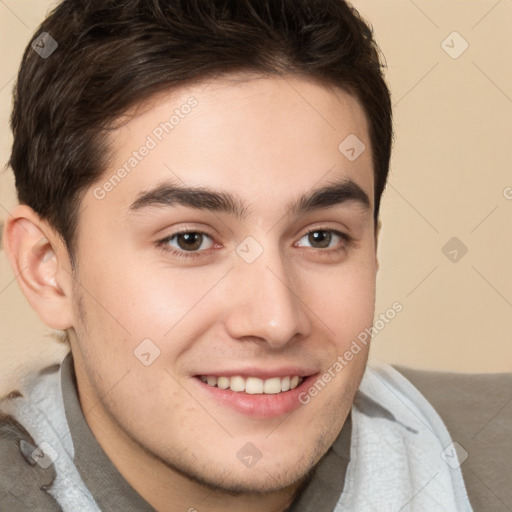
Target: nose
{"x": 266, "y": 302}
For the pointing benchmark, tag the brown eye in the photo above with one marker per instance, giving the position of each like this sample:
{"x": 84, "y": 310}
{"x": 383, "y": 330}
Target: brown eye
{"x": 189, "y": 241}
{"x": 186, "y": 243}
{"x": 322, "y": 238}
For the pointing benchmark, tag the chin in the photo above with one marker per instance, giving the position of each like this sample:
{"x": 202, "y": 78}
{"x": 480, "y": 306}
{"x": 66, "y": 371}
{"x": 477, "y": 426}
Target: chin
{"x": 275, "y": 471}
{"x": 264, "y": 480}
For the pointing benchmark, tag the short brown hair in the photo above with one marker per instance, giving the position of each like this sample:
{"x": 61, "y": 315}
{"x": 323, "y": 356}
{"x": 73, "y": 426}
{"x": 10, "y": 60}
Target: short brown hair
{"x": 114, "y": 54}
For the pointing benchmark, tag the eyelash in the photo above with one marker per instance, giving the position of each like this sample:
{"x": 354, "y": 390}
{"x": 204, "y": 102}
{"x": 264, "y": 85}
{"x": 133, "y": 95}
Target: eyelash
{"x": 162, "y": 244}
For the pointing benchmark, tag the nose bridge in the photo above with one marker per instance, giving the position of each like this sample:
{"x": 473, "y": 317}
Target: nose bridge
{"x": 266, "y": 304}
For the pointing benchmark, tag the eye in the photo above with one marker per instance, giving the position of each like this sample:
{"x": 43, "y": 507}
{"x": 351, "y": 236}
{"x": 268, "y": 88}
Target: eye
{"x": 191, "y": 243}
{"x": 322, "y": 238}
{"x": 187, "y": 243}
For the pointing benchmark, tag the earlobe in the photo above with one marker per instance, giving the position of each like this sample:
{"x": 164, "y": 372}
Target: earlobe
{"x": 36, "y": 254}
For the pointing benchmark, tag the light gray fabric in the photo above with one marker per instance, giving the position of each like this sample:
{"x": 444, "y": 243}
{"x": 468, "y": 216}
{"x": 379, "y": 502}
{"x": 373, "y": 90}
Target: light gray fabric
{"x": 42, "y": 414}
{"x": 397, "y": 459}
{"x": 477, "y": 411}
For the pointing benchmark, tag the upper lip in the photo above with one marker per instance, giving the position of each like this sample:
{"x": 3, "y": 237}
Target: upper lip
{"x": 262, "y": 373}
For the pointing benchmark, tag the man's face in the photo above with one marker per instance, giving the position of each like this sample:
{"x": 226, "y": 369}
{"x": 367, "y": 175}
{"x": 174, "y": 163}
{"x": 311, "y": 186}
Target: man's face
{"x": 257, "y": 303}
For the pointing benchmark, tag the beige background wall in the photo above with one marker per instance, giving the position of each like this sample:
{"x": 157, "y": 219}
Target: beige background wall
{"x": 451, "y": 178}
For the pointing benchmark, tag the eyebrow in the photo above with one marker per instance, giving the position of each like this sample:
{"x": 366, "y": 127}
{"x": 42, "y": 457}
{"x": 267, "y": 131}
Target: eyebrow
{"x": 205, "y": 198}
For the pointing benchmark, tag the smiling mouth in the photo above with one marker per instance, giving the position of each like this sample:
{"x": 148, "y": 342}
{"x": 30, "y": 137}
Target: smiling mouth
{"x": 253, "y": 385}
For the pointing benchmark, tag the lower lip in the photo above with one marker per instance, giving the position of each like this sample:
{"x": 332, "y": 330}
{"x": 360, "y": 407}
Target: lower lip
{"x": 261, "y": 405}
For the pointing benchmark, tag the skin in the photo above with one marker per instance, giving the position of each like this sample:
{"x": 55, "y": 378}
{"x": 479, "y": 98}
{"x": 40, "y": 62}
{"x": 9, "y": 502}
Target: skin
{"x": 294, "y": 305}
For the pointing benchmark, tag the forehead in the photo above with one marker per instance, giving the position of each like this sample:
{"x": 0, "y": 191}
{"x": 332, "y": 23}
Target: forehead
{"x": 266, "y": 140}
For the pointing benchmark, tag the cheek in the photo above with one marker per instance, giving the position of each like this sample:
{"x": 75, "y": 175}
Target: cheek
{"x": 140, "y": 300}
{"x": 344, "y": 299}
{"x": 126, "y": 304}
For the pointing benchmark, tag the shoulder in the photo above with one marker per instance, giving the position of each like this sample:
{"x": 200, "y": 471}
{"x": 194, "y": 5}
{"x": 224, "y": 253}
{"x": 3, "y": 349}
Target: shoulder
{"x": 22, "y": 479}
{"x": 477, "y": 411}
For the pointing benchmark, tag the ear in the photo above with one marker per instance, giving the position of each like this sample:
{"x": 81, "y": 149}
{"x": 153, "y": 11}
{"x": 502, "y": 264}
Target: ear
{"x": 377, "y": 233}
{"x": 41, "y": 265}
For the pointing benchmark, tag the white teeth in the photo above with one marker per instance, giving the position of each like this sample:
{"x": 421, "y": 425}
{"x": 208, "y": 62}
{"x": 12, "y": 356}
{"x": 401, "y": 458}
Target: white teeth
{"x": 254, "y": 385}
{"x": 272, "y": 386}
{"x": 223, "y": 383}
{"x": 237, "y": 384}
